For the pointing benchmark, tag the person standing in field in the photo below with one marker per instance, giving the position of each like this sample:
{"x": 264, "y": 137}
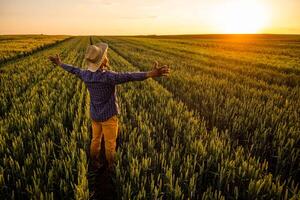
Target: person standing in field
{"x": 101, "y": 83}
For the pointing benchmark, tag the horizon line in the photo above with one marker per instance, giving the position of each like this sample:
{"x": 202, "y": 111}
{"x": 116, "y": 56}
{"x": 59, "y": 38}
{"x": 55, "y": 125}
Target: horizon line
{"x": 187, "y": 34}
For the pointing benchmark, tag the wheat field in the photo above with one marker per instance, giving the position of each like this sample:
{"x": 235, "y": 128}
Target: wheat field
{"x": 224, "y": 125}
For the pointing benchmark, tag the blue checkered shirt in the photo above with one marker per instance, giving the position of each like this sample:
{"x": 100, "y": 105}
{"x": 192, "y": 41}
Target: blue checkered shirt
{"x": 102, "y": 88}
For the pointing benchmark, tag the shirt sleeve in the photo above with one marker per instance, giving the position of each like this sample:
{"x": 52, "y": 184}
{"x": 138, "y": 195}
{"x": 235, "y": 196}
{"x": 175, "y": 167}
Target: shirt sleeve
{"x": 73, "y": 70}
{"x": 115, "y": 78}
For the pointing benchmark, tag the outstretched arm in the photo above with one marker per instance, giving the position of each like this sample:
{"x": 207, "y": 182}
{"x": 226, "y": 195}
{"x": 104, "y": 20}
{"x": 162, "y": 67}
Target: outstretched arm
{"x": 123, "y": 77}
{"x": 69, "y": 68}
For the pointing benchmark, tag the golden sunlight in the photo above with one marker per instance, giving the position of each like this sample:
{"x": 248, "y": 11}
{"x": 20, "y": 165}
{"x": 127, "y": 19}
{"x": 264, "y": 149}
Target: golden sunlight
{"x": 241, "y": 16}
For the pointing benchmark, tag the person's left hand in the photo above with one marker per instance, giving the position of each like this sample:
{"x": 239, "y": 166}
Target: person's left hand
{"x": 55, "y": 59}
{"x": 159, "y": 71}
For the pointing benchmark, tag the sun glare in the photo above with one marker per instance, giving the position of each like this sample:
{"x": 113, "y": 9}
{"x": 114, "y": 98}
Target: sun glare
{"x": 241, "y": 16}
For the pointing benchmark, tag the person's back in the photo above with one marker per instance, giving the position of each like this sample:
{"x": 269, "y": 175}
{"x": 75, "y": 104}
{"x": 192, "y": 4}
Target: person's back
{"x": 102, "y": 96}
{"x": 102, "y": 88}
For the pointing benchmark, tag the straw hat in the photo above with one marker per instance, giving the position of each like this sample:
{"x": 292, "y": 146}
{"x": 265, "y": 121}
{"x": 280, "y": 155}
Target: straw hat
{"x": 94, "y": 55}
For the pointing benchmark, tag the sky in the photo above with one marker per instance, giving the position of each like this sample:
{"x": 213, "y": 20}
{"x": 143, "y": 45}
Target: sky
{"x": 144, "y": 17}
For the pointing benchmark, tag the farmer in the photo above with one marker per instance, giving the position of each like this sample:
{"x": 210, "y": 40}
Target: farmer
{"x": 104, "y": 108}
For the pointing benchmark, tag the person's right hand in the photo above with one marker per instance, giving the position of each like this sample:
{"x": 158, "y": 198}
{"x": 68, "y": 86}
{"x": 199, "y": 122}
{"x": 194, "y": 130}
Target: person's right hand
{"x": 55, "y": 59}
{"x": 159, "y": 71}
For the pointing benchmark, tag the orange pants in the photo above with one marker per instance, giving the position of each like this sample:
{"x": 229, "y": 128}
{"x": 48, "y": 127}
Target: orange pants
{"x": 108, "y": 129}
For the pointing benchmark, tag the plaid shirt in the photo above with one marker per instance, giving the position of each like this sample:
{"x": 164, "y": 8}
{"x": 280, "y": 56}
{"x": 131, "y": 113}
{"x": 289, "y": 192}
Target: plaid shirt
{"x": 102, "y": 88}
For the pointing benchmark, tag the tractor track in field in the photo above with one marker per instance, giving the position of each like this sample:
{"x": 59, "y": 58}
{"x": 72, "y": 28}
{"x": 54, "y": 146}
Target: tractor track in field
{"x": 101, "y": 186}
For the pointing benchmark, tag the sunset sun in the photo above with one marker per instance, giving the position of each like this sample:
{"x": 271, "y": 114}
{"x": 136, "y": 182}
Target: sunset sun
{"x": 241, "y": 17}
